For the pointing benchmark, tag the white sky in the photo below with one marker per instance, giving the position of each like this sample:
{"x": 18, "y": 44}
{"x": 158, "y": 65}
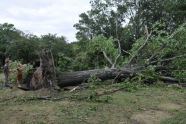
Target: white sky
{"x": 41, "y": 17}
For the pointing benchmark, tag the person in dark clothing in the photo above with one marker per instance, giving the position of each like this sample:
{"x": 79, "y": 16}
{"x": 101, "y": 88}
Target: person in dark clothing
{"x": 6, "y": 72}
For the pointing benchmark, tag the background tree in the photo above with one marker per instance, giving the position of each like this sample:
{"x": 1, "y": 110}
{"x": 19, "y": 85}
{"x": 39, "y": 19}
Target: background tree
{"x": 125, "y": 19}
{"x": 8, "y": 33}
{"x": 24, "y": 49}
{"x": 55, "y": 44}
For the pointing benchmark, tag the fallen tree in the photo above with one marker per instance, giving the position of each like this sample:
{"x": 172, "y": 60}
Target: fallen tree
{"x": 46, "y": 76}
{"x": 144, "y": 55}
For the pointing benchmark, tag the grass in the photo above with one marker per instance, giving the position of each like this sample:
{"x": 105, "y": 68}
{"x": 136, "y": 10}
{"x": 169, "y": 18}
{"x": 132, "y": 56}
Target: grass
{"x": 179, "y": 118}
{"x": 145, "y": 104}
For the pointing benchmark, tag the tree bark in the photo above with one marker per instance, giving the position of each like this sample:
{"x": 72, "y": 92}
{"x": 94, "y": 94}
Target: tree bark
{"x": 74, "y": 78}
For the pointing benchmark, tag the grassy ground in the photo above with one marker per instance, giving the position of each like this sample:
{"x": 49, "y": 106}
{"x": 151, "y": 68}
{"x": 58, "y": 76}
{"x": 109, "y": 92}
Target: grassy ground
{"x": 147, "y": 105}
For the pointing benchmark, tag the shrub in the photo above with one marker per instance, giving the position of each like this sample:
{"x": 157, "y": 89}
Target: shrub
{"x": 94, "y": 80}
{"x": 175, "y": 86}
{"x": 130, "y": 86}
{"x": 13, "y": 66}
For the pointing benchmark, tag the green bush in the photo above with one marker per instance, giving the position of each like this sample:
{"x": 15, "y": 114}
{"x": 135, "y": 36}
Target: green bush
{"x": 94, "y": 80}
{"x": 13, "y": 66}
{"x": 1, "y": 70}
{"x": 159, "y": 84}
{"x": 175, "y": 86}
{"x": 130, "y": 86}
{"x": 1, "y": 81}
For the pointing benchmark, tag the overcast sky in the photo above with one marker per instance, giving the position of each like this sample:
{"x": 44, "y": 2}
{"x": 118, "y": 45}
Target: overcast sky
{"x": 44, "y": 16}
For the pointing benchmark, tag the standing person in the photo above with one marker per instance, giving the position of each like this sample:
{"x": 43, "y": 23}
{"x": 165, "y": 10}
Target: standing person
{"x": 6, "y": 72}
{"x": 19, "y": 70}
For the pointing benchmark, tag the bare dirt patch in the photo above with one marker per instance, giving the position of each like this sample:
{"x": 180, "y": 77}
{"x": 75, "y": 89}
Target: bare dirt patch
{"x": 169, "y": 106}
{"x": 154, "y": 117}
{"x": 150, "y": 117}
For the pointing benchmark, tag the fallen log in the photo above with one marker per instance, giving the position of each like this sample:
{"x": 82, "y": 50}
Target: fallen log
{"x": 74, "y": 78}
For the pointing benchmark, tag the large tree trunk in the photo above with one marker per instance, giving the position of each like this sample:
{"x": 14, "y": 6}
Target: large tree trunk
{"x": 74, "y": 78}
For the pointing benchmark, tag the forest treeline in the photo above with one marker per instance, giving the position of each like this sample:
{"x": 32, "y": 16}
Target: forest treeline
{"x": 108, "y": 34}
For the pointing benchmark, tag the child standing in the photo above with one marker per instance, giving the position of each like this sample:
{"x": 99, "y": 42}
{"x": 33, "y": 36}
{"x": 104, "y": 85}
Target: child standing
{"x": 19, "y": 70}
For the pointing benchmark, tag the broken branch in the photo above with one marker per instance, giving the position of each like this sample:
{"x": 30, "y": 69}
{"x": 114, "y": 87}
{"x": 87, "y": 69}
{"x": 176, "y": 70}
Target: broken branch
{"x": 142, "y": 47}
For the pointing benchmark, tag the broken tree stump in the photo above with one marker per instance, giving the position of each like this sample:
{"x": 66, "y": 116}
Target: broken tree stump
{"x": 45, "y": 75}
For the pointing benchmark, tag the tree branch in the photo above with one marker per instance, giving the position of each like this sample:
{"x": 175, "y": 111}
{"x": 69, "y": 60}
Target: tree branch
{"x": 119, "y": 49}
{"x": 119, "y": 46}
{"x": 107, "y": 58}
{"x": 175, "y": 32}
{"x": 142, "y": 47}
{"x": 127, "y": 52}
{"x": 156, "y": 53}
{"x": 168, "y": 59}
{"x": 164, "y": 45}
